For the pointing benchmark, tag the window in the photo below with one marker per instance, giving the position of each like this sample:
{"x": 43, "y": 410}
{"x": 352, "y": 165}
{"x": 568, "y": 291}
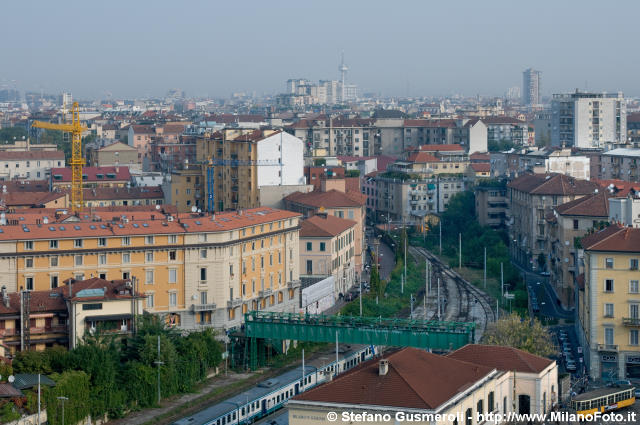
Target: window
{"x": 28, "y": 281}
{"x": 149, "y": 277}
{"x": 468, "y": 417}
{"x": 633, "y": 287}
{"x": 126, "y": 258}
{"x": 149, "y": 240}
{"x": 173, "y": 299}
{"x": 173, "y": 239}
{"x": 608, "y": 336}
{"x": 102, "y": 259}
{"x": 203, "y": 253}
{"x": 54, "y": 281}
{"x": 576, "y": 224}
{"x": 28, "y": 262}
{"x": 102, "y": 241}
{"x": 77, "y": 243}
{"x": 28, "y": 245}
{"x": 633, "y": 264}
{"x": 173, "y": 275}
{"x": 172, "y": 255}
{"x": 203, "y": 297}
{"x": 149, "y": 257}
{"x": 480, "y": 407}
{"x": 79, "y": 276}
{"x": 608, "y": 285}
{"x": 78, "y": 260}
{"x": 309, "y": 267}
{"x": 53, "y": 261}
{"x": 126, "y": 241}
{"x": 490, "y": 403}
{"x": 53, "y": 244}
{"x": 608, "y": 310}
{"x": 633, "y": 337}
{"x": 323, "y": 246}
{"x": 608, "y": 263}
{"x": 230, "y": 269}
{"x": 203, "y": 273}
{"x": 150, "y": 300}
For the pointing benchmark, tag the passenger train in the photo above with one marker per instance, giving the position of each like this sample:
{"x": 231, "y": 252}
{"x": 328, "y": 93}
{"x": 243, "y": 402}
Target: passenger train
{"x": 270, "y": 395}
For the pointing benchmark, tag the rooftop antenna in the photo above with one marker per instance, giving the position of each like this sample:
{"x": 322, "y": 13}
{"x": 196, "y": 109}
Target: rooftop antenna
{"x": 343, "y": 74}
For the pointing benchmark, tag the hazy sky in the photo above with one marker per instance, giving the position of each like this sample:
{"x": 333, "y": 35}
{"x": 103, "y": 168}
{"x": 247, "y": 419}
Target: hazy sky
{"x": 213, "y": 48}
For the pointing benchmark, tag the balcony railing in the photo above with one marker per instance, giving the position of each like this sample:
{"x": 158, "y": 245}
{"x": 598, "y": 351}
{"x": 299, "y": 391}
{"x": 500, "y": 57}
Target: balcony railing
{"x": 607, "y": 347}
{"x": 202, "y": 307}
{"x": 293, "y": 284}
{"x": 265, "y": 292}
{"x": 631, "y": 321}
{"x": 234, "y": 303}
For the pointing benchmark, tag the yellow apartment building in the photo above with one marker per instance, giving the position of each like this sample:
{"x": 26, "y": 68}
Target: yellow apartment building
{"x": 609, "y": 303}
{"x": 196, "y": 269}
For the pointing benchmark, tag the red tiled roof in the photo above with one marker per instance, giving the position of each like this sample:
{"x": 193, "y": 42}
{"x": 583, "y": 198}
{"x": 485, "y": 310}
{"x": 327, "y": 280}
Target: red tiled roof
{"x": 480, "y": 157}
{"x": 501, "y": 358}
{"x": 36, "y": 199}
{"x": 613, "y": 239}
{"x": 594, "y": 205}
{"x": 620, "y": 187}
{"x": 332, "y": 198}
{"x": 384, "y": 160}
{"x": 121, "y": 174}
{"x": 113, "y": 289}
{"x": 142, "y": 129}
{"x": 8, "y": 390}
{"x": 481, "y": 167}
{"x": 31, "y": 155}
{"x": 324, "y": 225}
{"x": 552, "y": 184}
{"x": 440, "y": 148}
{"x": 415, "y": 379}
{"x": 112, "y": 193}
{"x": 41, "y": 301}
{"x": 422, "y": 158}
{"x": 26, "y": 185}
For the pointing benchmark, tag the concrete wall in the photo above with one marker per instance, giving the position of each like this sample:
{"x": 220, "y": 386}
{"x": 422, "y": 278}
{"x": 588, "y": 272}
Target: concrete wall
{"x": 280, "y": 160}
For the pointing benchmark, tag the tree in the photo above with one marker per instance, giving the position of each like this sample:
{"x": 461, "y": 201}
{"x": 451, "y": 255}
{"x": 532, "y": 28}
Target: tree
{"x": 513, "y": 331}
{"x": 377, "y": 286}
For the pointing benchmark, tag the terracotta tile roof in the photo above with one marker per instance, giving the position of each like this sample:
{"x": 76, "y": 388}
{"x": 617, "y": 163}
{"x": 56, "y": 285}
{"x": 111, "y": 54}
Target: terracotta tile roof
{"x": 173, "y": 128}
{"x": 121, "y": 174}
{"x": 31, "y": 155}
{"x": 480, "y": 157}
{"x": 620, "y": 187}
{"x": 552, "y": 184}
{"x": 422, "y": 158}
{"x": 384, "y": 161}
{"x": 415, "y": 379}
{"x": 81, "y": 290}
{"x": 353, "y": 158}
{"x": 29, "y": 199}
{"x": 142, "y": 129}
{"x": 352, "y": 184}
{"x": 324, "y": 225}
{"x": 111, "y": 193}
{"x": 613, "y": 239}
{"x": 118, "y": 145}
{"x": 8, "y": 390}
{"x": 331, "y": 199}
{"x": 439, "y": 148}
{"x": 594, "y": 205}
{"x": 26, "y": 185}
{"x": 230, "y": 118}
{"x": 41, "y": 301}
{"x": 481, "y": 167}
{"x": 501, "y": 358}
{"x": 91, "y": 214}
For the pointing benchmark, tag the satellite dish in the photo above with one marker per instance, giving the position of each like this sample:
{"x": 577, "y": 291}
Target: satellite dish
{"x": 45, "y": 220}
{"x": 157, "y": 207}
{"x": 11, "y": 379}
{"x": 3, "y": 215}
{"x": 199, "y": 210}
{"x": 64, "y": 212}
{"x": 194, "y": 209}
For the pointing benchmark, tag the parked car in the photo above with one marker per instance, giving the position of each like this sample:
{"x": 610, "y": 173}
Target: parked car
{"x": 545, "y": 274}
{"x": 571, "y": 367}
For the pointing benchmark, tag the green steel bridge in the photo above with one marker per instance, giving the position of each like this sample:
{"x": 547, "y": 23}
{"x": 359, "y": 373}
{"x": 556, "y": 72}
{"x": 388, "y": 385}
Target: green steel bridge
{"x": 396, "y": 332}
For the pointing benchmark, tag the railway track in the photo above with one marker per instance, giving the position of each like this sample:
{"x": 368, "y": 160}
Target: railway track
{"x": 470, "y": 305}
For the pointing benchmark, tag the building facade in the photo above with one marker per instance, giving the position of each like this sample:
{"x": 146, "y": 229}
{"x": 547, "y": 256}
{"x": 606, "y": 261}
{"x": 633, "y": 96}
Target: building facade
{"x": 531, "y": 87}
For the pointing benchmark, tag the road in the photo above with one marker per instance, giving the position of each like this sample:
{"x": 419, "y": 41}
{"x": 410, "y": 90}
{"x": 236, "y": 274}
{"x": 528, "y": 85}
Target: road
{"x": 547, "y": 299}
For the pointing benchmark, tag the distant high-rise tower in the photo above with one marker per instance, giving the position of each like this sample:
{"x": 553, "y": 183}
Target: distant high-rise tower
{"x": 531, "y": 87}
{"x": 343, "y": 75}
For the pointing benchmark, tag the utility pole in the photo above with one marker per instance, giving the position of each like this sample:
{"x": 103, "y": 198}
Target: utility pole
{"x": 302, "y": 385}
{"x": 405, "y": 255}
{"x": 502, "y": 279}
{"x": 412, "y": 300}
{"x": 485, "y": 267}
{"x": 440, "y": 223}
{"x": 62, "y": 399}
{"x": 360, "y": 299}
{"x": 459, "y": 251}
{"x": 402, "y": 284}
{"x": 438, "y": 298}
{"x": 337, "y": 363}
{"x": 39, "y": 399}
{"x": 158, "y": 363}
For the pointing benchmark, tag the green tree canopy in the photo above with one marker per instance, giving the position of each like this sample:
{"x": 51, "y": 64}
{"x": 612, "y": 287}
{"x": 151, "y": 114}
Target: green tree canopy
{"x": 513, "y": 331}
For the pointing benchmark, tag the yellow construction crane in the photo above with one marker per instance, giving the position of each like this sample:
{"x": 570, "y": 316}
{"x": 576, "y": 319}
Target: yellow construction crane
{"x": 77, "y": 161}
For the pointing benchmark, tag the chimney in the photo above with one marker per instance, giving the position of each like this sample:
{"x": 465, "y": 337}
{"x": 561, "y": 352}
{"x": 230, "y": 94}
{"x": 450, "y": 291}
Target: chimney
{"x": 5, "y": 296}
{"x": 383, "y": 367}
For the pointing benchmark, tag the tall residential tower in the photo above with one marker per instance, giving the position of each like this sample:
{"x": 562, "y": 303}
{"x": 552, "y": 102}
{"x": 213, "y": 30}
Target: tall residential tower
{"x": 531, "y": 87}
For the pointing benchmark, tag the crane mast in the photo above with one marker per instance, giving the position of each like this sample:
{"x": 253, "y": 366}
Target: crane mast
{"x": 77, "y": 161}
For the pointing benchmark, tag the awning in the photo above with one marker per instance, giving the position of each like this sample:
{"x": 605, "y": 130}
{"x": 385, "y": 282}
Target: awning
{"x": 109, "y": 317}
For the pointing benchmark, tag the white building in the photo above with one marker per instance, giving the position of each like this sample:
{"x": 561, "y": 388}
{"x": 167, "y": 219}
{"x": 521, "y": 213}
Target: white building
{"x": 625, "y": 211}
{"x": 29, "y": 165}
{"x": 531, "y": 87}
{"x": 280, "y": 160}
{"x": 563, "y": 162}
{"x": 588, "y": 120}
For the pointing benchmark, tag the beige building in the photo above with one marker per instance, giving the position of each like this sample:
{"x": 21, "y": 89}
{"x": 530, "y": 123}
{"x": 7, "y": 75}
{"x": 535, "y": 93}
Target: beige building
{"x": 530, "y": 198}
{"x": 608, "y": 324}
{"x": 185, "y": 189}
{"x": 327, "y": 248}
{"x": 566, "y": 223}
{"x": 116, "y": 154}
{"x": 411, "y": 385}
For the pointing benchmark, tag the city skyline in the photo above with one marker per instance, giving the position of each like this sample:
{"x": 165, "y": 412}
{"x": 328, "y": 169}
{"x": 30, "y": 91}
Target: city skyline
{"x": 132, "y": 50}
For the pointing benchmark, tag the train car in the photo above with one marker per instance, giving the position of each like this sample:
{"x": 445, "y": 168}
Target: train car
{"x": 271, "y": 395}
{"x": 604, "y": 399}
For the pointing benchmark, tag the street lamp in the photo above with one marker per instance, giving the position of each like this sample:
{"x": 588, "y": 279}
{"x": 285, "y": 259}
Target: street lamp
{"x": 62, "y": 399}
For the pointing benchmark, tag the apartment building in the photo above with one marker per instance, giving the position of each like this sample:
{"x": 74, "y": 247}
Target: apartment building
{"x": 588, "y": 120}
{"x": 335, "y": 202}
{"x": 116, "y": 154}
{"x": 567, "y": 223}
{"x": 339, "y": 135}
{"x": 507, "y": 129}
{"x": 620, "y": 164}
{"x": 491, "y": 205}
{"x": 92, "y": 177}
{"x": 196, "y": 269}
{"x": 29, "y": 165}
{"x": 530, "y": 198}
{"x": 239, "y": 164}
{"x": 626, "y": 211}
{"x": 123, "y": 196}
{"x": 609, "y": 303}
{"x": 327, "y": 248}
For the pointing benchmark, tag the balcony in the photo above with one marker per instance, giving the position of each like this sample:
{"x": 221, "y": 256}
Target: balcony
{"x": 631, "y": 321}
{"x": 265, "y": 293}
{"x": 234, "y": 303}
{"x": 202, "y": 307}
{"x": 607, "y": 347}
{"x": 293, "y": 284}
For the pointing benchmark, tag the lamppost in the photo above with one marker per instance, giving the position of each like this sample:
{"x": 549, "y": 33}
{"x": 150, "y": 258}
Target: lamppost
{"x": 158, "y": 363}
{"x": 62, "y": 399}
